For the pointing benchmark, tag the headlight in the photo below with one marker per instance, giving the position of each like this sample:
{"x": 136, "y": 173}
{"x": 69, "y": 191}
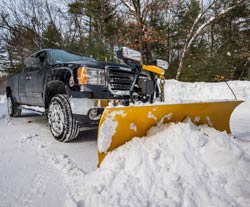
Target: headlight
{"x": 91, "y": 76}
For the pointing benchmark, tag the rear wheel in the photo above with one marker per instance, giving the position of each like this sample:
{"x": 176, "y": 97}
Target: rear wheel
{"x": 62, "y": 124}
{"x": 13, "y": 108}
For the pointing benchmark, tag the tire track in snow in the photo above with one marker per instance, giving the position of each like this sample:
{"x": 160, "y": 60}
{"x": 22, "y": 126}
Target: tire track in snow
{"x": 70, "y": 172}
{"x": 37, "y": 189}
{"x": 67, "y": 168}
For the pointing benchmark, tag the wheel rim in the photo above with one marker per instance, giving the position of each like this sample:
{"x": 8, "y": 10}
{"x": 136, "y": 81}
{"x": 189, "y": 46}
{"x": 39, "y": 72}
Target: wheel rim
{"x": 56, "y": 118}
{"x": 9, "y": 105}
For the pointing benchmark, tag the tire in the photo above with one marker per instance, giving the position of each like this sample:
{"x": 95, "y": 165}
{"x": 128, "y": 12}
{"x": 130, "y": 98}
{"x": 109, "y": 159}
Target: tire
{"x": 62, "y": 124}
{"x": 13, "y": 108}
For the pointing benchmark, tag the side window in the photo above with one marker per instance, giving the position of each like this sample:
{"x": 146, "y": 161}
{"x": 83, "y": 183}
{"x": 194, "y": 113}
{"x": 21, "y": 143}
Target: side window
{"x": 35, "y": 62}
{"x": 41, "y": 59}
{"x": 29, "y": 63}
{"x": 36, "y": 65}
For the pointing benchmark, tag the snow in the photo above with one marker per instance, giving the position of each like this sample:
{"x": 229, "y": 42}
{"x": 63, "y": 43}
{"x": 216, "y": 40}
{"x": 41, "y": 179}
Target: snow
{"x": 34, "y": 108}
{"x": 133, "y": 126}
{"x": 151, "y": 115}
{"x": 199, "y": 166}
{"x": 109, "y": 127}
{"x": 3, "y": 108}
{"x": 176, "y": 92}
{"x": 175, "y": 165}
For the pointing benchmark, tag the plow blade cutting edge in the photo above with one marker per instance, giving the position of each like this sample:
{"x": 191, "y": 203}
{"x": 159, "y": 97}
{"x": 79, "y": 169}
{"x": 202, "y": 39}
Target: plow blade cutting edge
{"x": 120, "y": 124}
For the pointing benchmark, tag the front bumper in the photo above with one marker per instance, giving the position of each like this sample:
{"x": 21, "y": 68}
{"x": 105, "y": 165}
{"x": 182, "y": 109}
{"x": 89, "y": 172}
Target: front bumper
{"x": 81, "y": 105}
{"x": 88, "y": 105}
{"x": 83, "y": 108}
{"x": 88, "y": 111}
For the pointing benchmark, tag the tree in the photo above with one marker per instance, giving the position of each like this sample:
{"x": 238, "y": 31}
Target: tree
{"x": 210, "y": 38}
{"x": 51, "y": 37}
{"x": 23, "y": 24}
{"x": 198, "y": 27}
{"x": 94, "y": 27}
{"x": 141, "y": 11}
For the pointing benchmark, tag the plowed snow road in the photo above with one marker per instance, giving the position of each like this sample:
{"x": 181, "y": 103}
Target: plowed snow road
{"x": 34, "y": 166}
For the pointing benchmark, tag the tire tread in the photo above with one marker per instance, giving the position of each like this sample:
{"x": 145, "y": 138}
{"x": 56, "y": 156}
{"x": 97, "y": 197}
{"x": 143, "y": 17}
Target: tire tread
{"x": 72, "y": 128}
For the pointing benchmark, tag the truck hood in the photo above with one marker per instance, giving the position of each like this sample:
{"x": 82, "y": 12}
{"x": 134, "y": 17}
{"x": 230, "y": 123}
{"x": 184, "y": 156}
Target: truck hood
{"x": 93, "y": 64}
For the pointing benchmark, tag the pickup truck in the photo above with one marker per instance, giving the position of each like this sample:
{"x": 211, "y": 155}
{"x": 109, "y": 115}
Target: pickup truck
{"x": 73, "y": 90}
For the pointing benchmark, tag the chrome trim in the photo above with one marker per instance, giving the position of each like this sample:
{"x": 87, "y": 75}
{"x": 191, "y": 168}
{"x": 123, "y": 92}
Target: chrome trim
{"x": 119, "y": 69}
{"x": 81, "y": 105}
{"x": 56, "y": 118}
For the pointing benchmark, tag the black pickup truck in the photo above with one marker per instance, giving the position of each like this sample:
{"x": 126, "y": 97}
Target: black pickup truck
{"x": 73, "y": 90}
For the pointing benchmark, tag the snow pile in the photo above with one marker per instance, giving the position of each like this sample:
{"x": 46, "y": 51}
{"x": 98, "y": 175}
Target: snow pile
{"x": 3, "y": 107}
{"x": 176, "y": 91}
{"x": 177, "y": 165}
{"x": 109, "y": 128}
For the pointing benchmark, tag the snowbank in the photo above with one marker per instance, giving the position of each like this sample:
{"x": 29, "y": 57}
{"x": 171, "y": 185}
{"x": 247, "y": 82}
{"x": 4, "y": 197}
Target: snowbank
{"x": 3, "y": 107}
{"x": 177, "y": 165}
{"x": 176, "y": 91}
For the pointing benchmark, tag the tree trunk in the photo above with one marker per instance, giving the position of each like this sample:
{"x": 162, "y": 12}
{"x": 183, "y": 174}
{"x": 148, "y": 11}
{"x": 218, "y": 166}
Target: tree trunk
{"x": 140, "y": 39}
{"x": 212, "y": 40}
{"x": 181, "y": 63}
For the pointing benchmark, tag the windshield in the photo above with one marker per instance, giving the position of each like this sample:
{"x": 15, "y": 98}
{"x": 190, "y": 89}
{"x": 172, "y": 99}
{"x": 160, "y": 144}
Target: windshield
{"x": 60, "y": 56}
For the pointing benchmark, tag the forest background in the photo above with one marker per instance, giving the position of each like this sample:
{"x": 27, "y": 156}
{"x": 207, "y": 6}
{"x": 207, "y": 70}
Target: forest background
{"x": 203, "y": 40}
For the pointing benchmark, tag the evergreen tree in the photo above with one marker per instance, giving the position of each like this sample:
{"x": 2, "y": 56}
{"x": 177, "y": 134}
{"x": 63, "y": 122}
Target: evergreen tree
{"x": 51, "y": 37}
{"x": 232, "y": 48}
{"x": 102, "y": 28}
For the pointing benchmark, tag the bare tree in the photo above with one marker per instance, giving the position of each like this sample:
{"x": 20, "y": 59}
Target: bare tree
{"x": 22, "y": 24}
{"x": 139, "y": 10}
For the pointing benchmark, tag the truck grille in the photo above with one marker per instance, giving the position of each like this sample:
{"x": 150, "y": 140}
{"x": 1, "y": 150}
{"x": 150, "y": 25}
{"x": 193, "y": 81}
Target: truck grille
{"x": 120, "y": 80}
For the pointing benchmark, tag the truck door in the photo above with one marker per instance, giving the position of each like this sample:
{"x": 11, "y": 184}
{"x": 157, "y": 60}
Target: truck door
{"x": 22, "y": 86}
{"x": 37, "y": 78}
{"x": 23, "y": 82}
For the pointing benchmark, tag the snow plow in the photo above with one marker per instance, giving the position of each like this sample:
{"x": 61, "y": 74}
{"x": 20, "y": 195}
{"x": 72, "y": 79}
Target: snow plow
{"x": 118, "y": 125}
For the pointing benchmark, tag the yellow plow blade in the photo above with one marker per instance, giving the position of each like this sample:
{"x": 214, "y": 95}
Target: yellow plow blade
{"x": 120, "y": 124}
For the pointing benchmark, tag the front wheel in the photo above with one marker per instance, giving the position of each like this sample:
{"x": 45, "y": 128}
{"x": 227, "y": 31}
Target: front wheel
{"x": 62, "y": 124}
{"x": 13, "y": 109}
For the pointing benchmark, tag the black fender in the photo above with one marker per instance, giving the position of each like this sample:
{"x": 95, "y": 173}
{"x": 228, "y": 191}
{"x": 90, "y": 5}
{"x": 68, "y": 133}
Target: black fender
{"x": 56, "y": 83}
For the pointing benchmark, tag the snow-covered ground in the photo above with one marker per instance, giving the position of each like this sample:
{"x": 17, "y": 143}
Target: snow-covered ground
{"x": 177, "y": 165}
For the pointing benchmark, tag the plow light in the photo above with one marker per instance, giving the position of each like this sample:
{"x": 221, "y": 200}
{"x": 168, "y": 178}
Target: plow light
{"x": 129, "y": 54}
{"x": 162, "y": 64}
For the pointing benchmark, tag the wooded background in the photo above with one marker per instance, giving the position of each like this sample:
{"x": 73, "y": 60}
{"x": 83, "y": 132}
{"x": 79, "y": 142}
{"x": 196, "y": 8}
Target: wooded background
{"x": 203, "y": 40}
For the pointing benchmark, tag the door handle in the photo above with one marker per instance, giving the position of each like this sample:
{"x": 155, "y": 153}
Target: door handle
{"x": 28, "y": 77}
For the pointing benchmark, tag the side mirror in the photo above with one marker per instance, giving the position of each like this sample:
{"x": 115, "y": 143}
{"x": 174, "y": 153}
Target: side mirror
{"x": 31, "y": 61}
{"x": 162, "y": 64}
{"x": 42, "y": 58}
{"x": 129, "y": 54}
{"x": 28, "y": 61}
